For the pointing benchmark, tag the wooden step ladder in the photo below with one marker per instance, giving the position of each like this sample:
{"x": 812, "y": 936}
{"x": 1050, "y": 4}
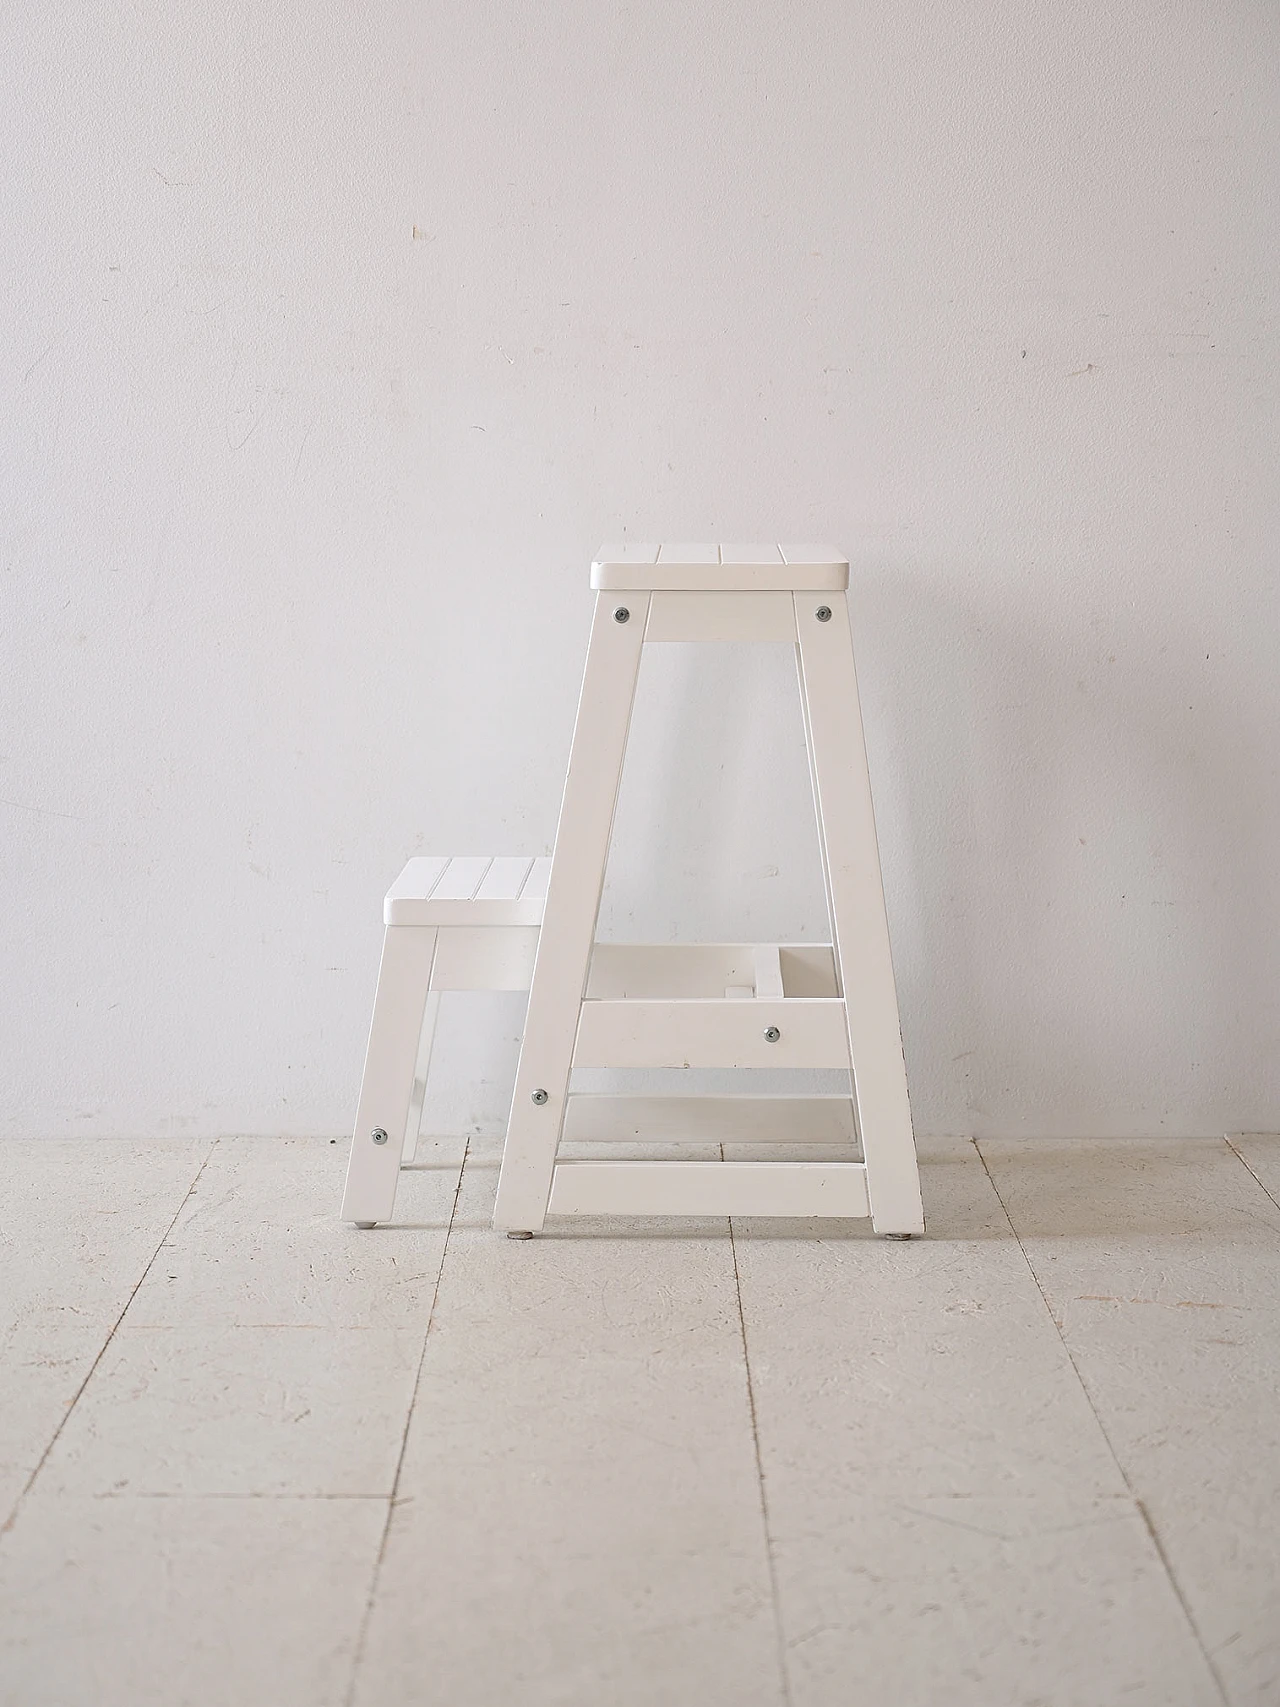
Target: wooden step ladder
{"x": 705, "y": 1005}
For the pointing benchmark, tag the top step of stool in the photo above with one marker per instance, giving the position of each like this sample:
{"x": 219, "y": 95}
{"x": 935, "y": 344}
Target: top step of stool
{"x": 435, "y": 889}
{"x": 719, "y": 568}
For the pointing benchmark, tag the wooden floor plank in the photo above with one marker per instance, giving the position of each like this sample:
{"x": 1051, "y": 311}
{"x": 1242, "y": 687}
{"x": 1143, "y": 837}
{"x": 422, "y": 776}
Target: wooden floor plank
{"x": 578, "y": 1517}
{"x": 945, "y": 1514}
{"x": 203, "y": 1602}
{"x": 82, "y": 1220}
{"x": 1160, "y": 1260}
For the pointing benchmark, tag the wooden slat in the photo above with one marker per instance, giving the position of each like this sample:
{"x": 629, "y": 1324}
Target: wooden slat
{"x": 710, "y": 1120}
{"x": 418, "y": 878}
{"x": 711, "y": 1034}
{"x": 709, "y": 1188}
{"x": 461, "y": 878}
{"x": 653, "y": 970}
{"x": 505, "y": 878}
{"x": 818, "y": 557}
{"x": 628, "y": 551}
{"x": 535, "y": 885}
{"x": 689, "y": 554}
{"x": 724, "y": 616}
{"x": 751, "y": 554}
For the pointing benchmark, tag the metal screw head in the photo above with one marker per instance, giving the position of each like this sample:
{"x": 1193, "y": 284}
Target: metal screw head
{"x": 771, "y": 1034}
{"x": 378, "y": 1135}
{"x": 539, "y": 1097}
{"x": 823, "y": 613}
{"x": 622, "y": 614}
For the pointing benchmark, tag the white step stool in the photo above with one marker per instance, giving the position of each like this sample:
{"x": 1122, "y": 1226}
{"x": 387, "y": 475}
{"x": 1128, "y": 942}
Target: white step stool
{"x": 451, "y": 924}
{"x": 683, "y": 1005}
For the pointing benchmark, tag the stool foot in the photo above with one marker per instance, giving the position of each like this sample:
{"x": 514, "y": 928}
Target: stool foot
{"x": 366, "y": 1224}
{"x": 519, "y": 1235}
{"x": 898, "y": 1235}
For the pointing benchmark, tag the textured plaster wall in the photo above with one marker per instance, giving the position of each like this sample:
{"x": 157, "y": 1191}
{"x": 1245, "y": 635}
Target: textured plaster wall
{"x": 337, "y": 337}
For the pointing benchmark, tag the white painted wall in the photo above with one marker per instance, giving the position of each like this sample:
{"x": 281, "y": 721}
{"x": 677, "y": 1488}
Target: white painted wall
{"x": 338, "y": 336}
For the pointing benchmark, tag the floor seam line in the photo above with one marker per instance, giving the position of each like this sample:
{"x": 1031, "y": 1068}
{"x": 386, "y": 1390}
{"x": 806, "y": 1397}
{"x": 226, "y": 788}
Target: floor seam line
{"x": 1140, "y": 1504}
{"x": 363, "y": 1634}
{"x": 770, "y": 1560}
{"x": 1244, "y": 1163}
{"x": 69, "y": 1411}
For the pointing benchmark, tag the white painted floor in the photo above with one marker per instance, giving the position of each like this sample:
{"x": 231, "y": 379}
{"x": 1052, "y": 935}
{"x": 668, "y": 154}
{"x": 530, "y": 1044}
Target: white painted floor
{"x": 251, "y": 1456}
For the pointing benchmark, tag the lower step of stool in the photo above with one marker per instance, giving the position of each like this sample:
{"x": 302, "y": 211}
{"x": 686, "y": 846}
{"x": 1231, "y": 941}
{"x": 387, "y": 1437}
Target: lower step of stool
{"x": 709, "y": 1188}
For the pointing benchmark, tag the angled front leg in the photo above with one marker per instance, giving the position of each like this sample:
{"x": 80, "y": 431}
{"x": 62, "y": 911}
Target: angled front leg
{"x": 572, "y": 906}
{"x": 838, "y": 755}
{"x": 387, "y": 1087}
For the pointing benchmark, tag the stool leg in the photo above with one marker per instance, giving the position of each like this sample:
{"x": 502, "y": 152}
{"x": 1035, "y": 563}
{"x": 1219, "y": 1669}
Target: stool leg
{"x": 860, "y": 929}
{"x": 426, "y": 1043}
{"x": 572, "y": 906}
{"x": 387, "y": 1087}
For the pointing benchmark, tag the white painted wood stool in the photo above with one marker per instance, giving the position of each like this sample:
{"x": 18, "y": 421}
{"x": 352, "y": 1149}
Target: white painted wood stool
{"x": 706, "y": 1005}
{"x": 451, "y": 924}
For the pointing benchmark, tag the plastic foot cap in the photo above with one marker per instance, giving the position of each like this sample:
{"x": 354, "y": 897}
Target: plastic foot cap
{"x": 519, "y": 1235}
{"x": 366, "y": 1224}
{"x": 899, "y": 1235}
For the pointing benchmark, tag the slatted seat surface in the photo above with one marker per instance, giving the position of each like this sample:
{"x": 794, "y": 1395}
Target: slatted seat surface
{"x": 719, "y": 568}
{"x": 469, "y": 889}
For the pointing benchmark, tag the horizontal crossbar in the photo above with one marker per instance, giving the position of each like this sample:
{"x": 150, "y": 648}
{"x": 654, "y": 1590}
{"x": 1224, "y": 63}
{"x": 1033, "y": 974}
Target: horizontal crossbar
{"x": 722, "y": 616}
{"x": 807, "y": 1032}
{"x": 709, "y": 1188}
{"x": 656, "y": 969}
